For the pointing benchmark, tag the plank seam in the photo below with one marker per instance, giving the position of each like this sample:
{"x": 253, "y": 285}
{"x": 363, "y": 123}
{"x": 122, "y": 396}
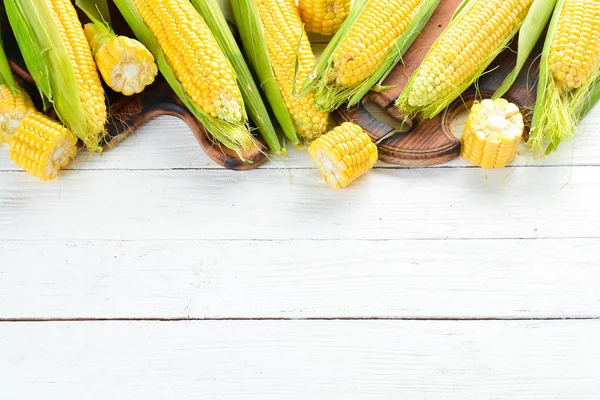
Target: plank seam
{"x": 182, "y": 319}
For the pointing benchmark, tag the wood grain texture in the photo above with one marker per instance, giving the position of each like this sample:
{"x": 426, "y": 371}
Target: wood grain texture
{"x": 300, "y": 279}
{"x": 295, "y": 204}
{"x": 548, "y": 360}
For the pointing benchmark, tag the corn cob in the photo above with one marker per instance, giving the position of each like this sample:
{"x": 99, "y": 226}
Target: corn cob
{"x": 67, "y": 75}
{"x": 42, "y": 146}
{"x": 369, "y": 44}
{"x": 195, "y": 57}
{"x": 461, "y": 54}
{"x": 568, "y": 73}
{"x": 343, "y": 155}
{"x": 493, "y": 132}
{"x": 124, "y": 63}
{"x": 323, "y": 16}
{"x": 287, "y": 45}
{"x": 13, "y": 108}
{"x": 575, "y": 47}
{"x": 370, "y": 39}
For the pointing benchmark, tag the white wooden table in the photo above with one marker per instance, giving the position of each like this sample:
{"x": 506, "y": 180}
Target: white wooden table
{"x": 151, "y": 273}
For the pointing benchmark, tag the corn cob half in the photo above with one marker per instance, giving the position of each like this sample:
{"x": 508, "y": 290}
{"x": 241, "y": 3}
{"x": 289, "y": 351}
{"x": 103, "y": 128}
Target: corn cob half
{"x": 369, "y": 44}
{"x": 67, "y": 75}
{"x": 343, "y": 155}
{"x": 42, "y": 146}
{"x": 13, "y": 108}
{"x": 194, "y": 65}
{"x": 569, "y": 73}
{"x": 477, "y": 34}
{"x": 324, "y": 16}
{"x": 493, "y": 132}
{"x": 274, "y": 29}
{"x": 124, "y": 63}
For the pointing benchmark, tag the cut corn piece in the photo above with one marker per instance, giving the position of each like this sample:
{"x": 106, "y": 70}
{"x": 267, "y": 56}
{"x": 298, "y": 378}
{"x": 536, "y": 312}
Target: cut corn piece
{"x": 493, "y": 132}
{"x": 125, "y": 64}
{"x": 288, "y": 46}
{"x": 42, "y": 146}
{"x": 370, "y": 39}
{"x": 13, "y": 108}
{"x": 343, "y": 155}
{"x": 324, "y": 16}
{"x": 195, "y": 57}
{"x": 575, "y": 46}
{"x": 461, "y": 54}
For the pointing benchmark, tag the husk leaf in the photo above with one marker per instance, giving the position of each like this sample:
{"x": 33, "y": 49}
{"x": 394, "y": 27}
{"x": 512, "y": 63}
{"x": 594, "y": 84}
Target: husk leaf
{"x": 96, "y": 10}
{"x": 214, "y": 18}
{"x": 251, "y": 31}
{"x": 234, "y": 137}
{"x": 6, "y": 76}
{"x": 535, "y": 22}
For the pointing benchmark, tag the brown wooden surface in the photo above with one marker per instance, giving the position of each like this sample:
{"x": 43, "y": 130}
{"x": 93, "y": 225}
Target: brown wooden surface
{"x": 431, "y": 142}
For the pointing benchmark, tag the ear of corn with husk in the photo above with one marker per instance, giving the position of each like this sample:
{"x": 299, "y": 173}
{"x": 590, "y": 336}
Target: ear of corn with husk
{"x": 214, "y": 18}
{"x": 60, "y": 61}
{"x": 479, "y": 31}
{"x": 278, "y": 48}
{"x": 569, "y": 73}
{"x": 363, "y": 52}
{"x": 125, "y": 64}
{"x": 195, "y": 68}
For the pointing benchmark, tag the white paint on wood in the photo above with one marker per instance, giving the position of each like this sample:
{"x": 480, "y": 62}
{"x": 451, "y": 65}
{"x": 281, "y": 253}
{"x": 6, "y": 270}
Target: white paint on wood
{"x": 300, "y": 279}
{"x": 273, "y": 204}
{"x": 548, "y": 360}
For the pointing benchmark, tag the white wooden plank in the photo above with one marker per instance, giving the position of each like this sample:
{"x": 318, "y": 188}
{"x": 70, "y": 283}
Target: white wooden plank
{"x": 167, "y": 143}
{"x": 271, "y": 204}
{"x": 548, "y": 360}
{"x": 299, "y": 279}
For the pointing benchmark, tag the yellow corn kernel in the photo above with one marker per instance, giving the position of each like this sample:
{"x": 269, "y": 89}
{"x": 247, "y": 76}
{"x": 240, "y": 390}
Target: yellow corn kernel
{"x": 125, "y": 64}
{"x": 324, "y": 16}
{"x": 493, "y": 132}
{"x": 343, "y": 155}
{"x": 575, "y": 46}
{"x": 13, "y": 108}
{"x": 89, "y": 86}
{"x": 370, "y": 39}
{"x": 464, "y": 48}
{"x": 42, "y": 146}
{"x": 195, "y": 57}
{"x": 283, "y": 32}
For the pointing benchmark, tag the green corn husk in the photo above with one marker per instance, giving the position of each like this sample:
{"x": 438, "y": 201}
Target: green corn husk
{"x": 535, "y": 22}
{"x": 250, "y": 27}
{"x": 214, "y": 18}
{"x": 47, "y": 60}
{"x": 234, "y": 137}
{"x": 330, "y": 96}
{"x": 557, "y": 113}
{"x": 6, "y": 76}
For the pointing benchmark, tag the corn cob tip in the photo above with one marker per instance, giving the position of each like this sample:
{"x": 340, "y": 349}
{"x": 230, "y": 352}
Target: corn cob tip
{"x": 42, "y": 146}
{"x": 492, "y": 134}
{"x": 324, "y": 16}
{"x": 343, "y": 155}
{"x": 13, "y": 108}
{"x": 125, "y": 64}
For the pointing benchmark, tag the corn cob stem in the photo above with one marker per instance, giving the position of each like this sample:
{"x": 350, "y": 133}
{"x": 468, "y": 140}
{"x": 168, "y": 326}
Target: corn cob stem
{"x": 323, "y": 16}
{"x": 42, "y": 146}
{"x": 343, "y": 155}
{"x": 13, "y": 108}
{"x": 493, "y": 132}
{"x": 124, "y": 63}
